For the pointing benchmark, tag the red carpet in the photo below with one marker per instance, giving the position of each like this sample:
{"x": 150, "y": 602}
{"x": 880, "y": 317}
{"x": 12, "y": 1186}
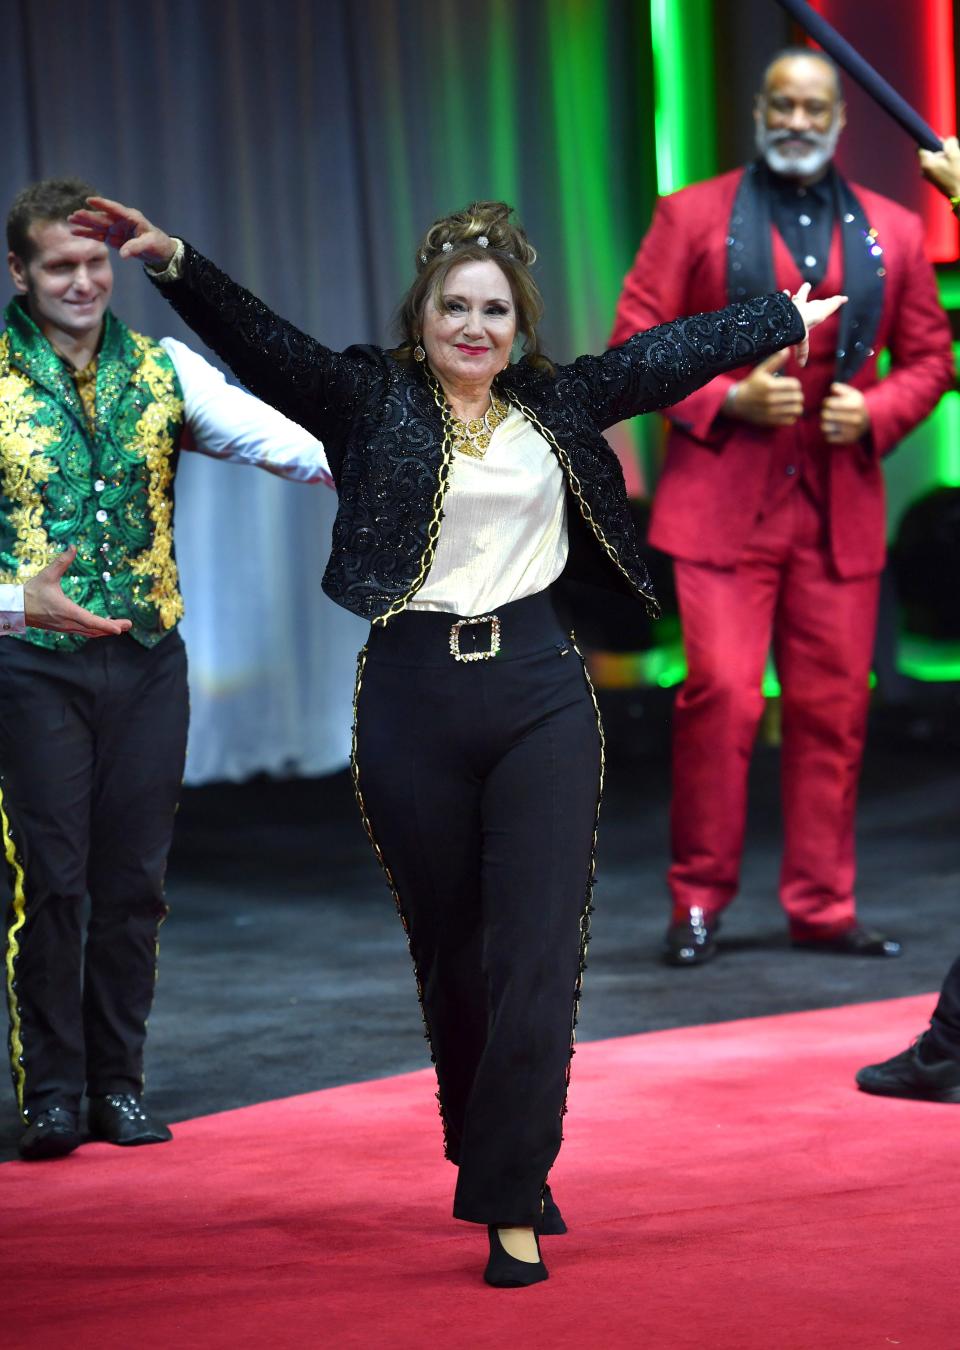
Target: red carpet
{"x": 726, "y": 1187}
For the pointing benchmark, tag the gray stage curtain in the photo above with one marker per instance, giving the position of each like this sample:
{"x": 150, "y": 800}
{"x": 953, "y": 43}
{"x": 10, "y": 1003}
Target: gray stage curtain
{"x": 305, "y": 146}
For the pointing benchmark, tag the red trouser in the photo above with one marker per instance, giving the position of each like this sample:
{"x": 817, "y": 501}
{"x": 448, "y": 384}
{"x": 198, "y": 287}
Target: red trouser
{"x": 785, "y": 588}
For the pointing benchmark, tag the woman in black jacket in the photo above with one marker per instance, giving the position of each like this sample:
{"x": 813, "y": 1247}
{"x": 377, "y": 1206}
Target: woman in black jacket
{"x": 469, "y": 484}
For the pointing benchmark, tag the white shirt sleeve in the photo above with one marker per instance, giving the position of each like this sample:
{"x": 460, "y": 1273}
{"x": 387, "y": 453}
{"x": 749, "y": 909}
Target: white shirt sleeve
{"x": 11, "y": 610}
{"x": 226, "y": 422}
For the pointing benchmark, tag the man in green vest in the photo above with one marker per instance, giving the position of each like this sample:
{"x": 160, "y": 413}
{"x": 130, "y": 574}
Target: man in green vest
{"x": 93, "y": 734}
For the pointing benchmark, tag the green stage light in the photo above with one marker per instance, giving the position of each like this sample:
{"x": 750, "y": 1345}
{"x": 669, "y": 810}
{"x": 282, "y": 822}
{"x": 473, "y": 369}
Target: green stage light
{"x": 928, "y": 660}
{"x": 682, "y": 40}
{"x": 502, "y": 101}
{"x": 949, "y": 286}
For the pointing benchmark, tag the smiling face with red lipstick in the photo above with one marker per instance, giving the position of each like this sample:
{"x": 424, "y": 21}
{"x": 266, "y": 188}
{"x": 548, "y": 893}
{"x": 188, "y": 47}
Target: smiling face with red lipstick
{"x": 468, "y": 336}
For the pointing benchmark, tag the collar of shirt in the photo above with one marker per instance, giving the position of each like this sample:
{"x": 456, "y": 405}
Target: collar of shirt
{"x": 86, "y": 384}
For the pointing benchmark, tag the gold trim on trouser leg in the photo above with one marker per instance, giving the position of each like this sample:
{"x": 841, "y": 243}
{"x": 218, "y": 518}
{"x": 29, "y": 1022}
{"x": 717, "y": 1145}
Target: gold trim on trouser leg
{"x": 355, "y": 772}
{"x": 591, "y": 875}
{"x": 13, "y": 951}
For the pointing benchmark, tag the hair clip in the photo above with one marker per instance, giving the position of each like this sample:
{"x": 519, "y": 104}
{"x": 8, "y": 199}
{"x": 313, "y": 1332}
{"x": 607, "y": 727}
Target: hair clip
{"x": 482, "y": 240}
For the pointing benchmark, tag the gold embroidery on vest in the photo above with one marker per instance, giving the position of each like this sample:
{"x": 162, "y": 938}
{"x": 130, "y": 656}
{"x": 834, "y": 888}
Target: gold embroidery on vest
{"x": 155, "y": 442}
{"x": 25, "y": 468}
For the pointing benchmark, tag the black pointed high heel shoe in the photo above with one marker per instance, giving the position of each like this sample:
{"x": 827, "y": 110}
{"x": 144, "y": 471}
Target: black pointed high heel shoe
{"x": 551, "y": 1220}
{"x": 505, "y": 1271}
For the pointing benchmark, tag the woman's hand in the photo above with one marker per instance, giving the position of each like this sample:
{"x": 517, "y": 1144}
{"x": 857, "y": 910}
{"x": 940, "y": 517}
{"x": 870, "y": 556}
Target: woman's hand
{"x": 123, "y": 228}
{"x": 46, "y": 606}
{"x": 813, "y": 312}
{"x": 942, "y": 167}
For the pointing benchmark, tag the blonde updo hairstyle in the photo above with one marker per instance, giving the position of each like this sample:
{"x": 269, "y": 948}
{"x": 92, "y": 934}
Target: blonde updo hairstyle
{"x": 453, "y": 240}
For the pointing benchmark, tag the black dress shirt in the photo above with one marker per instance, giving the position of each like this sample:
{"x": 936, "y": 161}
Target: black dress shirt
{"x": 804, "y": 217}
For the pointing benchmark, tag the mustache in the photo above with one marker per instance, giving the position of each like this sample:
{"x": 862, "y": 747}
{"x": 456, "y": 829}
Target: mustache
{"x": 815, "y": 139}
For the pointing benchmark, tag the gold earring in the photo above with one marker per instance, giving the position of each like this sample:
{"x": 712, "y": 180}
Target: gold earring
{"x": 418, "y": 353}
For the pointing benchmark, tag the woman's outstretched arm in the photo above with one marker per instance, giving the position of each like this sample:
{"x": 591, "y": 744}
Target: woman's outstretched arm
{"x": 661, "y": 366}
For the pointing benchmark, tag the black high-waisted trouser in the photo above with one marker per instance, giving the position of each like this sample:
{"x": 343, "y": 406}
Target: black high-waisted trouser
{"x": 480, "y": 783}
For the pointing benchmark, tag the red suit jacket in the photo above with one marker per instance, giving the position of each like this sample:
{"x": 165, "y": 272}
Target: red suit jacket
{"x": 717, "y": 474}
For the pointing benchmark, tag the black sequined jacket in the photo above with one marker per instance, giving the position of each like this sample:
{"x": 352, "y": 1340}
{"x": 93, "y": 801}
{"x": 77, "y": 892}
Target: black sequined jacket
{"x": 385, "y": 428}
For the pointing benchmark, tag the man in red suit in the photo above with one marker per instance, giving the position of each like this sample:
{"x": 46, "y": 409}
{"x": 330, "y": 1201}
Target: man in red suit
{"x": 771, "y": 500}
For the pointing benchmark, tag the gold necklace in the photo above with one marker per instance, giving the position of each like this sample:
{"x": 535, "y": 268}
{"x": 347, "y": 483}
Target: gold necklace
{"x": 473, "y": 438}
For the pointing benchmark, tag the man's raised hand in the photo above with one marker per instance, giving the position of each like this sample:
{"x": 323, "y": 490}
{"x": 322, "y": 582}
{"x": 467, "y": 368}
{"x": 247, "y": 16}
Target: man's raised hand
{"x": 125, "y": 229}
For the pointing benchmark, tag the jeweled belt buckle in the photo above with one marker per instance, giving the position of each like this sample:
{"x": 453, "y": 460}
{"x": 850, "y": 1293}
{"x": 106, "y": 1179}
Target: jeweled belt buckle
{"x": 455, "y": 651}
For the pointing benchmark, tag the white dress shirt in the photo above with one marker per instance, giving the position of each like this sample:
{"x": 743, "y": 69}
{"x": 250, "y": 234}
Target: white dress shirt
{"x": 504, "y": 531}
{"x": 11, "y": 610}
{"x": 226, "y": 422}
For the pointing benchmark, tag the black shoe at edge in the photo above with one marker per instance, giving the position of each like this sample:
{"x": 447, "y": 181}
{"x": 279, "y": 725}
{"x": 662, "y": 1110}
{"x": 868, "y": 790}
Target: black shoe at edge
{"x": 907, "y": 1075}
{"x": 53, "y": 1133}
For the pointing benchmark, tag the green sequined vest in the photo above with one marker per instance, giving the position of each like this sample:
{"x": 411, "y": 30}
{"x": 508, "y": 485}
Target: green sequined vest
{"x": 110, "y": 491}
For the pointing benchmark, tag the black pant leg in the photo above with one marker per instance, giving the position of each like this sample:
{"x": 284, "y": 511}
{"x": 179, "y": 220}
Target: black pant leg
{"x": 944, "y": 1031}
{"x": 480, "y": 784}
{"x": 420, "y": 793}
{"x": 46, "y": 779}
{"x": 141, "y": 737}
{"x": 539, "y": 817}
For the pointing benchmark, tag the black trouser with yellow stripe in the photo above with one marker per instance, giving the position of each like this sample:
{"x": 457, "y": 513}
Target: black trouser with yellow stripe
{"x": 92, "y": 746}
{"x": 480, "y": 783}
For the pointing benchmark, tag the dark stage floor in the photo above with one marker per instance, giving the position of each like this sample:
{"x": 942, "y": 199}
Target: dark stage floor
{"x": 284, "y": 969}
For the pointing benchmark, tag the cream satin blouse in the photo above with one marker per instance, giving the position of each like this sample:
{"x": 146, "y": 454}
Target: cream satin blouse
{"x": 504, "y": 530}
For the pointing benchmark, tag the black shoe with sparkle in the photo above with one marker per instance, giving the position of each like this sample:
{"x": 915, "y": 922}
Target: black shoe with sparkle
{"x": 856, "y": 941}
{"x": 119, "y": 1118}
{"x": 52, "y": 1133}
{"x": 691, "y": 941}
{"x": 913, "y": 1073}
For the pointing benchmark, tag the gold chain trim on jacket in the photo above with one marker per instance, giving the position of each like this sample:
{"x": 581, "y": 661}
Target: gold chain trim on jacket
{"x": 591, "y": 877}
{"x": 585, "y": 511}
{"x": 355, "y": 774}
{"x": 155, "y": 442}
{"x": 25, "y": 467}
{"x": 433, "y": 529}
{"x": 13, "y": 951}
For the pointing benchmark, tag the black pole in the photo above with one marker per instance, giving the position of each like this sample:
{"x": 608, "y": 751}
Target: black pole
{"x": 865, "y": 75}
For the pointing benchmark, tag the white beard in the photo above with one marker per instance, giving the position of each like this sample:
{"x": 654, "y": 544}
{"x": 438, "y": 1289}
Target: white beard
{"x": 807, "y": 165}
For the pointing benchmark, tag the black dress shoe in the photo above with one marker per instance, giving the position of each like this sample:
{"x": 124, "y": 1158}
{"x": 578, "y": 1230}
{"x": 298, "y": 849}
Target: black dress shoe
{"x": 119, "y": 1118}
{"x": 691, "y": 941}
{"x": 551, "y": 1220}
{"x": 507, "y": 1272}
{"x": 52, "y": 1134}
{"x": 856, "y": 941}
{"x": 913, "y": 1074}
